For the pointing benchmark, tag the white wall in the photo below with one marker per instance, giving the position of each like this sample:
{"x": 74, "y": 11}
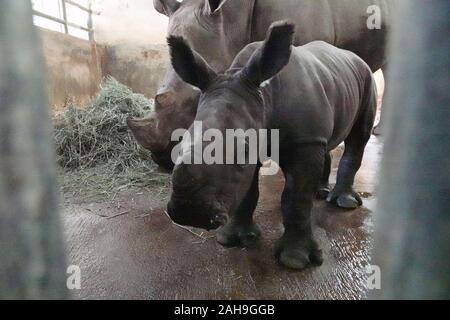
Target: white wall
{"x": 128, "y": 21}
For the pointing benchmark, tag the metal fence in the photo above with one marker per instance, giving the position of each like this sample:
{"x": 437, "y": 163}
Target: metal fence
{"x": 64, "y": 21}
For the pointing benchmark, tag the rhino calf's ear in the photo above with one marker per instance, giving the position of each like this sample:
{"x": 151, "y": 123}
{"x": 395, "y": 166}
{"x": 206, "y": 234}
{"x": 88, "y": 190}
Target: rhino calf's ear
{"x": 273, "y": 55}
{"x": 189, "y": 65}
{"x": 166, "y": 7}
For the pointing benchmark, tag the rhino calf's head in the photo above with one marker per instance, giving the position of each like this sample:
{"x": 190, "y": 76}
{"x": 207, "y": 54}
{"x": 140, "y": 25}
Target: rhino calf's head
{"x": 204, "y": 192}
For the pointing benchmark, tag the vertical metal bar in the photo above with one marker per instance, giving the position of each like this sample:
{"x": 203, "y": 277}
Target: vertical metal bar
{"x": 411, "y": 236}
{"x": 64, "y": 11}
{"x": 32, "y": 263}
{"x": 90, "y": 23}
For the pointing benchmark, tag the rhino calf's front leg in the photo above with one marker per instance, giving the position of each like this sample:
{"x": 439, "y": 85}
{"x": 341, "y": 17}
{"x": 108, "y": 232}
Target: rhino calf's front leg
{"x": 297, "y": 248}
{"x": 241, "y": 229}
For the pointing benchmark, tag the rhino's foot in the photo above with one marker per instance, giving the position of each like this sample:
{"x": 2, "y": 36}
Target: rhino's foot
{"x": 345, "y": 199}
{"x": 298, "y": 254}
{"x": 323, "y": 191}
{"x": 238, "y": 235}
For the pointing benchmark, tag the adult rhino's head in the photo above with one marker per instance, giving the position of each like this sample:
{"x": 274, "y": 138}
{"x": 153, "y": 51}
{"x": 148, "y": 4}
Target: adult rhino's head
{"x": 217, "y": 30}
{"x": 175, "y": 108}
{"x": 213, "y": 173}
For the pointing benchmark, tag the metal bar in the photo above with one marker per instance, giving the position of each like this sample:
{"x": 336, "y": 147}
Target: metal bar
{"x": 90, "y": 24}
{"x": 79, "y": 6}
{"x": 66, "y": 27}
{"x": 70, "y": 24}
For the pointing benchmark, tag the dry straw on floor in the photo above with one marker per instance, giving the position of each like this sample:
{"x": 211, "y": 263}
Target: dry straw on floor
{"x": 94, "y": 144}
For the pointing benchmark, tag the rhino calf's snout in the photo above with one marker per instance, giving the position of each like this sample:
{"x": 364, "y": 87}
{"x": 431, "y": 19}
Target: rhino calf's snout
{"x": 220, "y": 220}
{"x": 195, "y": 217}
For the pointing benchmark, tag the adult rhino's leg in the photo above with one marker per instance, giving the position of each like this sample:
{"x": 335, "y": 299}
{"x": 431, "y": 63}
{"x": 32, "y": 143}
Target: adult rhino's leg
{"x": 324, "y": 188}
{"x": 241, "y": 229}
{"x": 297, "y": 248}
{"x": 343, "y": 194}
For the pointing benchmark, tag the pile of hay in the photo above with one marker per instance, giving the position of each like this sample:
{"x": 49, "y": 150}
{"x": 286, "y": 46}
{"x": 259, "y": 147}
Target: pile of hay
{"x": 96, "y": 143}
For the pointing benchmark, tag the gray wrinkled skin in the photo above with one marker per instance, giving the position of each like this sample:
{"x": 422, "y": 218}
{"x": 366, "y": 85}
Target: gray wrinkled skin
{"x": 218, "y": 30}
{"x": 317, "y": 96}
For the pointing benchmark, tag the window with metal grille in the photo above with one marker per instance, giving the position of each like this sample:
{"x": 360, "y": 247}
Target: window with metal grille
{"x": 72, "y": 17}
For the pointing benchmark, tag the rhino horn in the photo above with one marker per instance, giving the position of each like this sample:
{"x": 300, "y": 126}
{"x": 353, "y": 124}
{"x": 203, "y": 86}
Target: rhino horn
{"x": 146, "y": 133}
{"x": 164, "y": 100}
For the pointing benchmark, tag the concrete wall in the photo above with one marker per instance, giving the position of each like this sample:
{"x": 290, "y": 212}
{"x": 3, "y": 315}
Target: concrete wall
{"x": 142, "y": 68}
{"x": 134, "y": 22}
{"x": 73, "y": 69}
{"x": 133, "y": 34}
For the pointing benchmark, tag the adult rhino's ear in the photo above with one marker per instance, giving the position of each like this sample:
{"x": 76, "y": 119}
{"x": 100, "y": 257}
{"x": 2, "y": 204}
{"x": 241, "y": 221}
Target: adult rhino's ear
{"x": 189, "y": 65}
{"x": 212, "y": 6}
{"x": 273, "y": 55}
{"x": 167, "y": 7}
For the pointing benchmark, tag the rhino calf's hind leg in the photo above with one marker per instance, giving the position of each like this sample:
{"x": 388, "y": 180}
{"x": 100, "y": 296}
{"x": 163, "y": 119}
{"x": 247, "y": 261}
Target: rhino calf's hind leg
{"x": 343, "y": 194}
{"x": 241, "y": 229}
{"x": 297, "y": 248}
{"x": 324, "y": 188}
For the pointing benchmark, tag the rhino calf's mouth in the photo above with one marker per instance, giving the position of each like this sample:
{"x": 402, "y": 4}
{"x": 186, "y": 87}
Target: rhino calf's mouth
{"x": 185, "y": 216}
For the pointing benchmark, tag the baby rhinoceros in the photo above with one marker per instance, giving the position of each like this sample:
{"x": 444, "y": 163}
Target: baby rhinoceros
{"x": 316, "y": 95}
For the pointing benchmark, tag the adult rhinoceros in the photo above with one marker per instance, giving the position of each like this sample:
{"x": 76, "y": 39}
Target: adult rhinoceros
{"x": 219, "y": 29}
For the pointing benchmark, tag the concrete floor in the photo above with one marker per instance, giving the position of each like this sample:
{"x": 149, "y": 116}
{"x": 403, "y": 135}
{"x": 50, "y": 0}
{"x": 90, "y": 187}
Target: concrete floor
{"x": 142, "y": 255}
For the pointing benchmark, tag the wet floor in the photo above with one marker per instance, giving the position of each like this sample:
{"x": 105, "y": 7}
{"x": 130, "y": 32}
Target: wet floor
{"x": 140, "y": 254}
